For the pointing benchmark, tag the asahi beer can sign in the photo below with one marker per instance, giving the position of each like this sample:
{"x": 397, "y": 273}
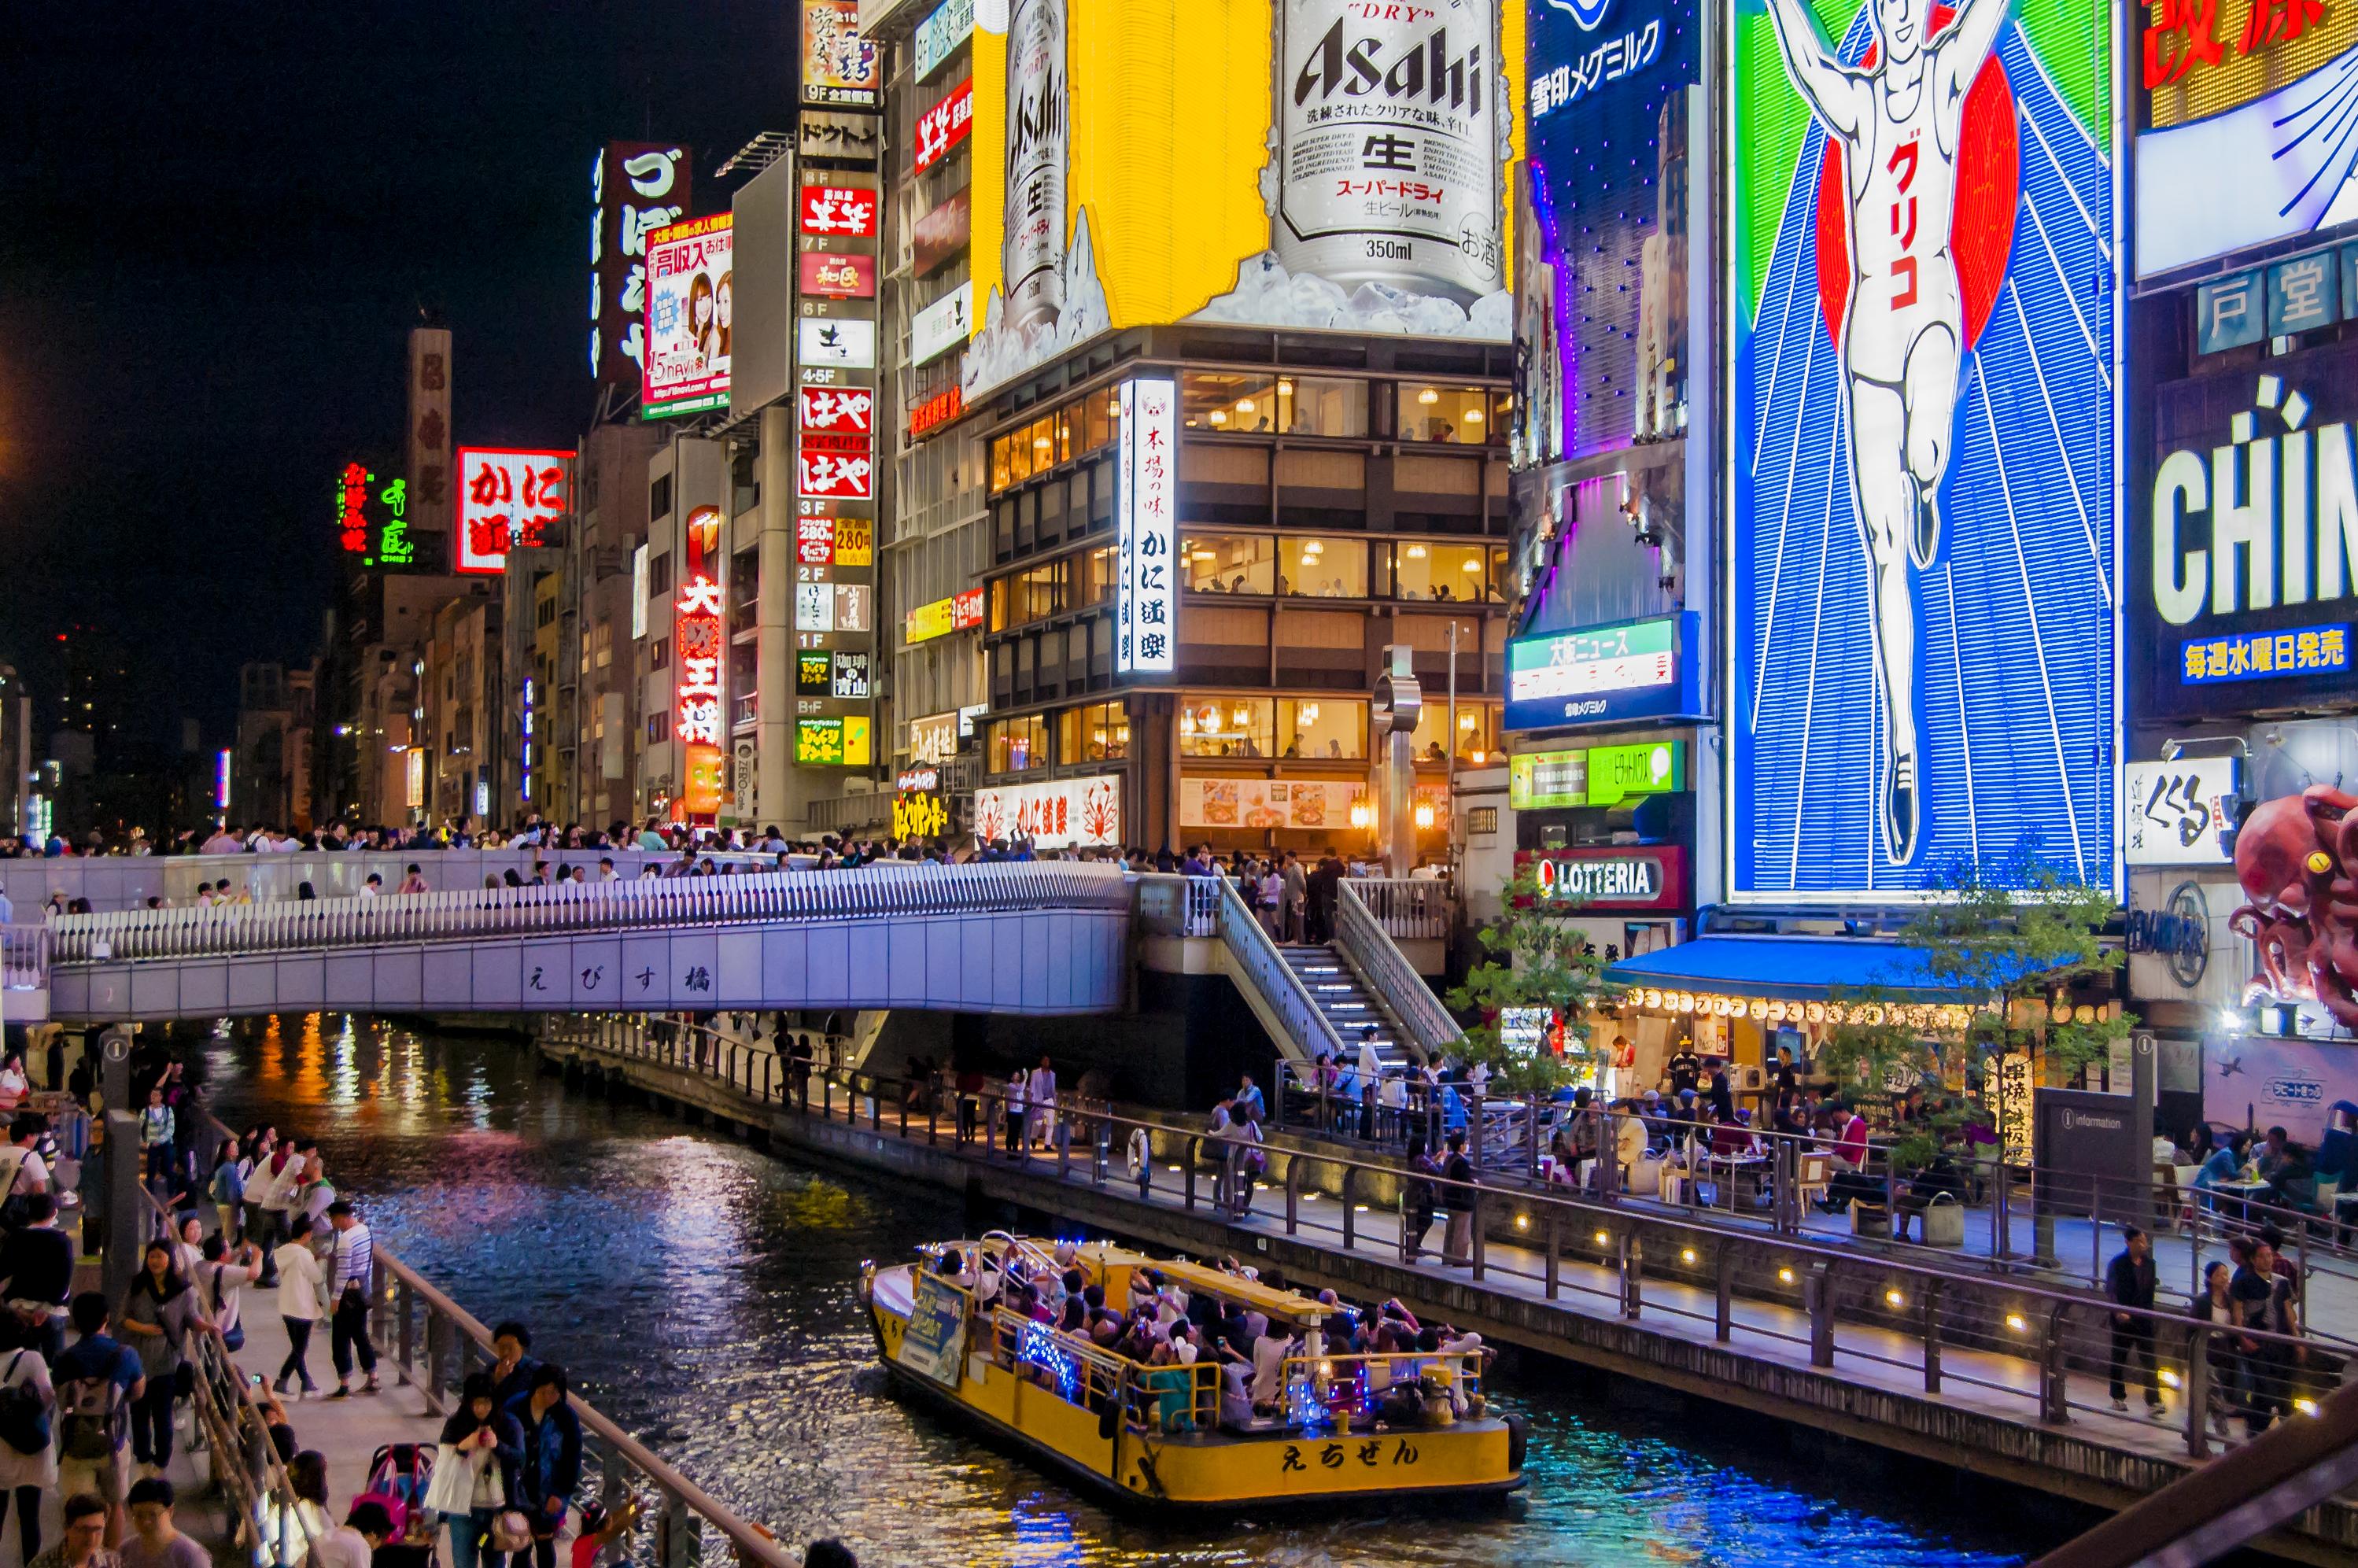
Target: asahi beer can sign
{"x": 1387, "y": 157}
{"x": 1037, "y": 142}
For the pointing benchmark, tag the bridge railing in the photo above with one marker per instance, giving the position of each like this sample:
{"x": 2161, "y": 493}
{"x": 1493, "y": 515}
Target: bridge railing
{"x": 1408, "y": 908}
{"x": 1889, "y": 1313}
{"x": 872, "y": 892}
{"x": 24, "y": 957}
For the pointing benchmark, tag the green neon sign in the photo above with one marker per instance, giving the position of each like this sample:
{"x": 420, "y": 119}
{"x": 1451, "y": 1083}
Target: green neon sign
{"x": 1616, "y": 772}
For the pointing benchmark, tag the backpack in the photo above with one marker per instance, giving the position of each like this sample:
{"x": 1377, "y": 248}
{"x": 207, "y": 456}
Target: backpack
{"x": 24, "y": 1418}
{"x": 94, "y": 1420}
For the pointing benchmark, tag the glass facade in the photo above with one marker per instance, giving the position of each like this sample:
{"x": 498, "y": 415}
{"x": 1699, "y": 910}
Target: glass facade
{"x": 1470, "y": 416}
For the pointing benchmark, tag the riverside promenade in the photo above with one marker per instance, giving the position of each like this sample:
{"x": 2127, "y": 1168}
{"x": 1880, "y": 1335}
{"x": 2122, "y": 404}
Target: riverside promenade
{"x": 1998, "y": 1377}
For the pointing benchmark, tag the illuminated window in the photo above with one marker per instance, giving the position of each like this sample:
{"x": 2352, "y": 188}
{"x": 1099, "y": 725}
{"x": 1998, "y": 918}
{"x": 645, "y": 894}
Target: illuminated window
{"x": 1237, "y": 402}
{"x": 1477, "y": 728}
{"x": 1446, "y": 573}
{"x": 1097, "y": 733}
{"x": 1453, "y": 414}
{"x": 1313, "y": 567}
{"x": 1319, "y": 406}
{"x": 1019, "y": 745}
{"x": 1321, "y": 727}
{"x": 1226, "y": 726}
{"x": 1096, "y": 573}
{"x": 1227, "y": 563}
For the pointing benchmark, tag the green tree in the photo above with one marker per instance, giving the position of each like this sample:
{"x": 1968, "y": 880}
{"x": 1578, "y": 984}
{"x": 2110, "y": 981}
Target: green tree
{"x": 1533, "y": 957}
{"x": 2009, "y": 938}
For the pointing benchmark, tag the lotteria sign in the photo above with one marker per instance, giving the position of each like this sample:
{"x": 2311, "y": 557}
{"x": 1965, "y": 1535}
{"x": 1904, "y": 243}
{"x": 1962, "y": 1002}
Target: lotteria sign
{"x": 1611, "y": 877}
{"x": 2243, "y": 546}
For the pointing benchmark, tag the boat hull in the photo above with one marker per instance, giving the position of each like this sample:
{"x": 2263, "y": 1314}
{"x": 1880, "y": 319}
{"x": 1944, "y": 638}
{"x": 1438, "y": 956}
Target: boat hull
{"x": 1206, "y": 1473}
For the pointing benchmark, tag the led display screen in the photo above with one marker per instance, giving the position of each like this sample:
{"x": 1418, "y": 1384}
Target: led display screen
{"x": 1922, "y": 659}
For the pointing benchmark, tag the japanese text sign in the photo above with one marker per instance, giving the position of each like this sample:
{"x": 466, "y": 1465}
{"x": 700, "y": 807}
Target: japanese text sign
{"x": 509, "y": 499}
{"x": 1145, "y": 512}
{"x": 839, "y": 211}
{"x": 945, "y": 125}
{"x": 689, "y": 310}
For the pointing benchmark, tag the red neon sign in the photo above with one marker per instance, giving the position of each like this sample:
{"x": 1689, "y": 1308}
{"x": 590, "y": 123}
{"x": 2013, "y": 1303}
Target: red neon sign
{"x": 944, "y": 125}
{"x": 937, "y": 411}
{"x": 842, "y": 210}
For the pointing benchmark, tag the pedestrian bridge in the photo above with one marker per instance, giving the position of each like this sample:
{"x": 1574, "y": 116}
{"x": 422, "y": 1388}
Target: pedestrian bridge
{"x": 1036, "y": 938}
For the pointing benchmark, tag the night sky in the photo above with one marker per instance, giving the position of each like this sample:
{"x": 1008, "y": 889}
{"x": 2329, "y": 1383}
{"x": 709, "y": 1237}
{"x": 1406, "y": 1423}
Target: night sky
{"x": 217, "y": 224}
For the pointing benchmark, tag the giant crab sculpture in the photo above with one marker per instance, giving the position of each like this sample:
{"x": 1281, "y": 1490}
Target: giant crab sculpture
{"x": 2294, "y": 856}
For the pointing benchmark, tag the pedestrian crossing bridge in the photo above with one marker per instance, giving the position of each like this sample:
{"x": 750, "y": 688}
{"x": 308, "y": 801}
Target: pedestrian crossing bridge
{"x": 1038, "y": 938}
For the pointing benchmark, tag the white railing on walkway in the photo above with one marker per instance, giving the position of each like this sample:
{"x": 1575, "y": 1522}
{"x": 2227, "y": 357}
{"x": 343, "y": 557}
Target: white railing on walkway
{"x": 877, "y": 893}
{"x": 24, "y": 957}
{"x": 127, "y": 881}
{"x": 1420, "y": 909}
{"x": 1367, "y": 944}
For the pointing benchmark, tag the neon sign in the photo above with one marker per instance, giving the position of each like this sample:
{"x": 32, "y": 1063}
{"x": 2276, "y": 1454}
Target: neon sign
{"x": 509, "y": 499}
{"x": 698, "y": 642}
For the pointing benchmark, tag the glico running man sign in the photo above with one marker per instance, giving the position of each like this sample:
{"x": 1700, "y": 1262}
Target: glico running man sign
{"x": 1922, "y": 550}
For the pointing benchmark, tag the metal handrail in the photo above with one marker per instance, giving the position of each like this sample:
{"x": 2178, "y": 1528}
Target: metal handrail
{"x": 2037, "y": 1329}
{"x": 225, "y": 930}
{"x": 1366, "y": 943}
{"x": 1261, "y": 964}
{"x": 24, "y": 957}
{"x": 453, "y": 1343}
{"x": 234, "y": 1424}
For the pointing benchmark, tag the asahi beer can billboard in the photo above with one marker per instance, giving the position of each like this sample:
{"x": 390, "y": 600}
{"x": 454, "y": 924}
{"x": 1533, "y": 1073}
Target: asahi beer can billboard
{"x": 1123, "y": 176}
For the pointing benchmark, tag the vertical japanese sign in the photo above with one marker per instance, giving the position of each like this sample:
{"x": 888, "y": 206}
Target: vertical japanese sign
{"x": 1146, "y": 486}
{"x": 839, "y": 66}
{"x": 838, "y": 224}
{"x": 699, "y": 643}
{"x": 1923, "y": 547}
{"x": 428, "y": 498}
{"x": 636, "y": 187}
{"x": 690, "y": 298}
{"x": 353, "y": 525}
{"x": 509, "y": 499}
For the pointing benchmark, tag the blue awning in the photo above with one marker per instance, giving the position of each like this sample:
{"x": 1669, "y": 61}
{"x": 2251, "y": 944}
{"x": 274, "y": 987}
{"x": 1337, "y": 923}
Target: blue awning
{"x": 1803, "y": 968}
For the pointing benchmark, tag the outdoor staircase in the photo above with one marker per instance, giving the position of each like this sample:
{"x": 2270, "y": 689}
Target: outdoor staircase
{"x": 1334, "y": 986}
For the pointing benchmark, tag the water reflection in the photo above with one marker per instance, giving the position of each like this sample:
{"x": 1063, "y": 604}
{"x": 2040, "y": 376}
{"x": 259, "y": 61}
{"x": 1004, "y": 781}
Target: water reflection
{"x": 701, "y": 1294}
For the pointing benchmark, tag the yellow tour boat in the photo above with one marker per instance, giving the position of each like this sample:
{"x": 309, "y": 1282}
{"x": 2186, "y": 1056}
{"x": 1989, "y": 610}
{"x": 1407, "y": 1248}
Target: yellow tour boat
{"x": 1168, "y": 1436}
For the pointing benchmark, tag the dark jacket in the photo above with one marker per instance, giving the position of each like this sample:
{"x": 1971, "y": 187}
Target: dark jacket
{"x": 552, "y": 1452}
{"x": 38, "y": 1265}
{"x": 2129, "y": 1282}
{"x": 507, "y": 1390}
{"x": 507, "y": 1444}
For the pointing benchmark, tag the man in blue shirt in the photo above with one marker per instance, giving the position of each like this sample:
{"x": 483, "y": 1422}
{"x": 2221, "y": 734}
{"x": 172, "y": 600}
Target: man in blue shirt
{"x": 96, "y": 1381}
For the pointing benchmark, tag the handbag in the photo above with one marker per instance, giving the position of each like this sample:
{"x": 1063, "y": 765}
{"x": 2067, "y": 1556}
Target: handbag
{"x": 452, "y": 1488}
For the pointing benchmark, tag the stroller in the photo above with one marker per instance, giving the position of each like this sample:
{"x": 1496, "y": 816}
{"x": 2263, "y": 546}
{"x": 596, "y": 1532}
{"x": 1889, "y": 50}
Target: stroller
{"x": 398, "y": 1477}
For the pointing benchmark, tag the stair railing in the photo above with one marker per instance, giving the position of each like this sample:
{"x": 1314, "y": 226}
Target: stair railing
{"x": 1256, "y": 962}
{"x": 1398, "y": 986}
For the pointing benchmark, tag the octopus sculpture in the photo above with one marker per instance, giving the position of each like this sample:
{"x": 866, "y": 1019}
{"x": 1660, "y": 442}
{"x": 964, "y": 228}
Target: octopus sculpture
{"x": 2295, "y": 857}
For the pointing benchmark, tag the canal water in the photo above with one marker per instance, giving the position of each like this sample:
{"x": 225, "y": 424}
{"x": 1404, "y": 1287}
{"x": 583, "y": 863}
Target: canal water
{"x": 702, "y": 1294}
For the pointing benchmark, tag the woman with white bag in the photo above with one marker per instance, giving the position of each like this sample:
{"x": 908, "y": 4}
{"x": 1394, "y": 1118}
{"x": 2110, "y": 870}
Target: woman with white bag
{"x": 475, "y": 1476}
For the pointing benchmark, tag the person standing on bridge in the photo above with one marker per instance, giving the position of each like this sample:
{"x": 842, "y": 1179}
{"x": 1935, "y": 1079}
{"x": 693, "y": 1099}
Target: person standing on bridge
{"x": 1041, "y": 1094}
{"x": 480, "y": 1453}
{"x": 349, "y": 1255}
{"x": 2129, "y": 1280}
{"x": 551, "y": 1467}
{"x": 299, "y": 1285}
{"x": 159, "y": 1312}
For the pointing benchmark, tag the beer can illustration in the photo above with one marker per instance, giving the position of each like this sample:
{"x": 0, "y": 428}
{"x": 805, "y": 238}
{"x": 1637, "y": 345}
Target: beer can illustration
{"x": 1388, "y": 168}
{"x": 1037, "y": 141}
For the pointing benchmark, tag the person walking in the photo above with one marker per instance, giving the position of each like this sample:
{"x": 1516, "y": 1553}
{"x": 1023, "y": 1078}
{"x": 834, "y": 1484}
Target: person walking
{"x": 300, "y": 1282}
{"x": 97, "y": 1381}
{"x": 350, "y": 1251}
{"x": 483, "y": 1446}
{"x": 159, "y": 1312}
{"x": 1039, "y": 1093}
{"x": 156, "y": 1125}
{"x": 1457, "y": 1241}
{"x": 36, "y": 1269}
{"x": 84, "y": 1545}
{"x": 29, "y": 1457}
{"x": 2129, "y": 1280}
{"x": 551, "y": 1467}
{"x": 155, "y": 1541}
{"x": 1251, "y": 1157}
{"x": 2216, "y": 1306}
